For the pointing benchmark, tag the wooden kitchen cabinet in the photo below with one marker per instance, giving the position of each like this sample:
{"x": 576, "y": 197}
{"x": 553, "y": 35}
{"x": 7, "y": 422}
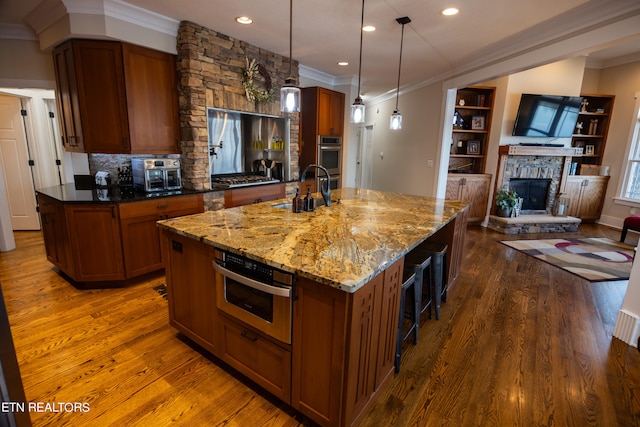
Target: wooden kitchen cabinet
{"x": 91, "y": 96}
{"x": 141, "y": 236}
{"x": 116, "y": 98}
{"x": 54, "y": 231}
{"x": 323, "y": 111}
{"x": 152, "y": 100}
{"x": 108, "y": 242}
{"x": 586, "y": 194}
{"x": 254, "y": 194}
{"x": 335, "y": 331}
{"x": 191, "y": 289}
{"x": 256, "y": 356}
{"x": 471, "y": 188}
{"x": 94, "y": 233}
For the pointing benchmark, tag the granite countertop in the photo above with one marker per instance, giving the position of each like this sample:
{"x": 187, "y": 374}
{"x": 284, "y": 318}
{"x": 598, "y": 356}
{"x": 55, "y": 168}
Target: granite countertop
{"x": 67, "y": 193}
{"x": 344, "y": 245}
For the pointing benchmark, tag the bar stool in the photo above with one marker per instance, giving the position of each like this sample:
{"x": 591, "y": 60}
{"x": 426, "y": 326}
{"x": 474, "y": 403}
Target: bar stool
{"x": 409, "y": 282}
{"x": 419, "y": 261}
{"x": 438, "y": 253}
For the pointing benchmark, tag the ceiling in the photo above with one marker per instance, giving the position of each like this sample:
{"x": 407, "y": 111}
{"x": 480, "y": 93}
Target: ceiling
{"x": 435, "y": 46}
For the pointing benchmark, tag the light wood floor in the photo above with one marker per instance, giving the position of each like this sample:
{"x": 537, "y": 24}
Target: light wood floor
{"x": 519, "y": 343}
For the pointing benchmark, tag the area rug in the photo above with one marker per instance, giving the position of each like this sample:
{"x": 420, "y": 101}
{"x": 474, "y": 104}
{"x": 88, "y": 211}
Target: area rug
{"x": 595, "y": 259}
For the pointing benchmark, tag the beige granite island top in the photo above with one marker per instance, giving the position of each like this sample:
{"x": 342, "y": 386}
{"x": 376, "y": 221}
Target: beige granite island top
{"x": 344, "y": 245}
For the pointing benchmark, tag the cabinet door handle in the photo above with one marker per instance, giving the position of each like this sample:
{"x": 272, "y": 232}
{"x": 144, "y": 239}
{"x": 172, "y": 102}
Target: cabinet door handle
{"x": 248, "y": 335}
{"x": 165, "y": 206}
{"x": 124, "y": 142}
{"x": 113, "y": 211}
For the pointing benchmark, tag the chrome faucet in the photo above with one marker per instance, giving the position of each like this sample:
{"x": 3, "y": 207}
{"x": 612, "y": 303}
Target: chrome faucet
{"x": 326, "y": 192}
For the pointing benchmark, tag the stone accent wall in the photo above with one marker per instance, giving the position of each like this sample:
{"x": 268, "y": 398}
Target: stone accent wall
{"x": 536, "y": 167}
{"x": 210, "y": 66}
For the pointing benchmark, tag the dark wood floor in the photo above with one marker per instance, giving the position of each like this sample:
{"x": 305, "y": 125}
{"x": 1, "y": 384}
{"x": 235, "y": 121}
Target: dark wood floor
{"x": 519, "y": 343}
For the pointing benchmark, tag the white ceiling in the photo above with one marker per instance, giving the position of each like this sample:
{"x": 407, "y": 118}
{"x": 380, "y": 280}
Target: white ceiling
{"x": 435, "y": 46}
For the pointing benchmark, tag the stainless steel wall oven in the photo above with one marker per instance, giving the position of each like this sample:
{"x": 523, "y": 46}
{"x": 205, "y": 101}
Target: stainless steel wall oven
{"x": 330, "y": 153}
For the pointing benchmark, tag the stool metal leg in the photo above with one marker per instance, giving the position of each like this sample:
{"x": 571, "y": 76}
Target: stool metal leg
{"x": 436, "y": 274}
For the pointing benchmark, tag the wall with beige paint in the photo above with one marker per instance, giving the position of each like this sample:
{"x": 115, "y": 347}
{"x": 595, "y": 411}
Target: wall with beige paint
{"x": 623, "y": 81}
{"x": 23, "y": 65}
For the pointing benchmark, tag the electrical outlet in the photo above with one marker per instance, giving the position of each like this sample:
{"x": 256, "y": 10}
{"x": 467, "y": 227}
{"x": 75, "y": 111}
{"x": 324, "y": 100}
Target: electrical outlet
{"x": 429, "y": 163}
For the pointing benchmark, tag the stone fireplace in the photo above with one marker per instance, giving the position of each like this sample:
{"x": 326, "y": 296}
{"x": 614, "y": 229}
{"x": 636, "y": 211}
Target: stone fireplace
{"x": 544, "y": 167}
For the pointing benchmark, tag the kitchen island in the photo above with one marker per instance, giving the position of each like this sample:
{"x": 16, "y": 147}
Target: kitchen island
{"x": 347, "y": 263}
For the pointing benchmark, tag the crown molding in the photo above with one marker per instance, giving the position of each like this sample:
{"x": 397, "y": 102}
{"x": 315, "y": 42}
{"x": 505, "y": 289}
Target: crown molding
{"x": 49, "y": 12}
{"x": 17, "y": 32}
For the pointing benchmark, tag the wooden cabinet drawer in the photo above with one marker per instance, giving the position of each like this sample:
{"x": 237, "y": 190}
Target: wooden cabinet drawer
{"x": 264, "y": 362}
{"x": 161, "y": 205}
{"x": 249, "y": 195}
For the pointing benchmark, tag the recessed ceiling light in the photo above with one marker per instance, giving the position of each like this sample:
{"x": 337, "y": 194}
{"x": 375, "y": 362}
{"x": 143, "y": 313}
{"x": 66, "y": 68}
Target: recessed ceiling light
{"x": 450, "y": 11}
{"x": 245, "y": 20}
{"x": 343, "y": 63}
{"x": 368, "y": 28}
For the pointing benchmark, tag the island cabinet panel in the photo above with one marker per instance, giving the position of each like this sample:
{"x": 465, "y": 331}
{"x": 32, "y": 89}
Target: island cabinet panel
{"x": 191, "y": 289}
{"x": 456, "y": 248}
{"x": 95, "y": 239}
{"x": 318, "y": 351}
{"x": 140, "y": 234}
{"x": 343, "y": 346}
{"x": 260, "y": 359}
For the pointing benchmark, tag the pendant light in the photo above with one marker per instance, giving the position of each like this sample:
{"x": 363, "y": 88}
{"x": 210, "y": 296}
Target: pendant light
{"x": 396, "y": 118}
{"x": 357, "y": 108}
{"x": 290, "y": 93}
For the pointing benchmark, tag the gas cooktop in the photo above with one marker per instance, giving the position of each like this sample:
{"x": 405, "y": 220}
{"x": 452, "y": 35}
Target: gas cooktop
{"x": 239, "y": 180}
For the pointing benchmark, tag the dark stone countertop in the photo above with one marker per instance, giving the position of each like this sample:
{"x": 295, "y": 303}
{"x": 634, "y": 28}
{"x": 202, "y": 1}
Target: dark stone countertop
{"x": 67, "y": 193}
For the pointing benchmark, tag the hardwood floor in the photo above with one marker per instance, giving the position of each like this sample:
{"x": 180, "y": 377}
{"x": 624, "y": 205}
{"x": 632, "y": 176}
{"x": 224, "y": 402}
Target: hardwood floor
{"x": 519, "y": 343}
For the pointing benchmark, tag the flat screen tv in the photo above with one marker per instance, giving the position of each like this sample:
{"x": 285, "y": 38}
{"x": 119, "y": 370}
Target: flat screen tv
{"x": 547, "y": 116}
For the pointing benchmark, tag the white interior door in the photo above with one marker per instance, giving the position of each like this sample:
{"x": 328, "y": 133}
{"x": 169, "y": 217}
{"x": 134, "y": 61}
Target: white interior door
{"x": 14, "y": 162}
{"x": 365, "y": 161}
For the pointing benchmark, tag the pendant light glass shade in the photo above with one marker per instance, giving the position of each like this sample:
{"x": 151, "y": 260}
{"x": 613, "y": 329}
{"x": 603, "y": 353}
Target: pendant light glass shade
{"x": 357, "y": 111}
{"x": 396, "y": 120}
{"x": 357, "y": 108}
{"x": 395, "y": 123}
{"x": 290, "y": 93}
{"x": 290, "y": 97}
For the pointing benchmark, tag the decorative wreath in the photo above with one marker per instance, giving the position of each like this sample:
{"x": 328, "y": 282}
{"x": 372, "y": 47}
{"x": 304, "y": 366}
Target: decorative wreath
{"x": 253, "y": 92}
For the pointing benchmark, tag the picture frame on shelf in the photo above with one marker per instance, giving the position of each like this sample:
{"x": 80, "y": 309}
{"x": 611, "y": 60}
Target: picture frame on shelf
{"x": 473, "y": 147}
{"x": 589, "y": 150}
{"x": 477, "y": 123}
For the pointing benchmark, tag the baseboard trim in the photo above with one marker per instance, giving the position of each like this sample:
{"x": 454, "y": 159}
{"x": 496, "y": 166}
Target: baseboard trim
{"x": 627, "y": 327}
